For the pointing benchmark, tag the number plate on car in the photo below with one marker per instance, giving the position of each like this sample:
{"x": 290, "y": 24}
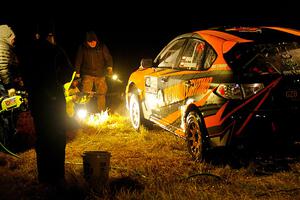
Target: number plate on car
{"x": 292, "y": 94}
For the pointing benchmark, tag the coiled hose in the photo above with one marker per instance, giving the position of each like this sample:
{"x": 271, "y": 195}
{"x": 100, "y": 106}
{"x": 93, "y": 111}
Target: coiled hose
{"x": 8, "y": 151}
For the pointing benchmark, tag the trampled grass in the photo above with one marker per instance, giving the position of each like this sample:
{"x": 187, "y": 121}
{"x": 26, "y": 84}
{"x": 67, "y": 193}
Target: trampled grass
{"x": 155, "y": 164}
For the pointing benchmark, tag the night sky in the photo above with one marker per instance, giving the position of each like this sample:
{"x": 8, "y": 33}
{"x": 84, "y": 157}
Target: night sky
{"x": 133, "y": 30}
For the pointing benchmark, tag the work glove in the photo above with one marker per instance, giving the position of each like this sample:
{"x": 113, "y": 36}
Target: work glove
{"x": 11, "y": 92}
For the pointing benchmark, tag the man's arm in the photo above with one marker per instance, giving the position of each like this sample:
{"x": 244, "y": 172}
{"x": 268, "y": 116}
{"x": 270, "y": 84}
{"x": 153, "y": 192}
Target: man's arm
{"x": 108, "y": 60}
{"x": 78, "y": 61}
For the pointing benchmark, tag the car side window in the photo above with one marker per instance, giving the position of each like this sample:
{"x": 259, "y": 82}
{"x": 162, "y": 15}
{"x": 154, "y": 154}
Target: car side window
{"x": 210, "y": 57}
{"x": 169, "y": 57}
{"x": 192, "y": 56}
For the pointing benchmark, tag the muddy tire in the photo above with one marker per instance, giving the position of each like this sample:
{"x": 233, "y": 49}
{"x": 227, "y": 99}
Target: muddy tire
{"x": 195, "y": 136}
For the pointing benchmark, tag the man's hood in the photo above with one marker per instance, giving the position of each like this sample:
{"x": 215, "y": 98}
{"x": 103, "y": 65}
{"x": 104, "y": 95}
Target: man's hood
{"x": 6, "y": 34}
{"x": 91, "y": 36}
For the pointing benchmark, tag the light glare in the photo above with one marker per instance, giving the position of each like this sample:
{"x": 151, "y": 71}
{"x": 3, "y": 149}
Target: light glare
{"x": 82, "y": 113}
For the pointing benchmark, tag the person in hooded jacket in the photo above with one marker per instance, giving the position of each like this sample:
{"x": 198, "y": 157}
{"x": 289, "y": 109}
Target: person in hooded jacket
{"x": 93, "y": 62}
{"x": 8, "y": 59}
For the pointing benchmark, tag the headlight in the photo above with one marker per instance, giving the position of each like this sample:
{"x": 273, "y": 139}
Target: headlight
{"x": 82, "y": 113}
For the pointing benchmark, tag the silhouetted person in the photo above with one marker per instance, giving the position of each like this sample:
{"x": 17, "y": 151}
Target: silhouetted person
{"x": 46, "y": 69}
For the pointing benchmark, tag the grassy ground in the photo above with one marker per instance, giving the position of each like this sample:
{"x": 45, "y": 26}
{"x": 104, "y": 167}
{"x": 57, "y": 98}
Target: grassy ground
{"x": 154, "y": 164}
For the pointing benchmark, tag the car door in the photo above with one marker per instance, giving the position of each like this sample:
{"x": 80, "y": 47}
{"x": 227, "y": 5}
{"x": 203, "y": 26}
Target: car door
{"x": 158, "y": 81}
{"x": 176, "y": 82}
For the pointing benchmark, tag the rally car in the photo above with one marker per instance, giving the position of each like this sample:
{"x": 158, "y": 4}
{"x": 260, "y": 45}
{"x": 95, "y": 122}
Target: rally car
{"x": 214, "y": 86}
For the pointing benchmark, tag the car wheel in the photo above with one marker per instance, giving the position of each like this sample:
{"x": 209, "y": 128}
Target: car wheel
{"x": 135, "y": 112}
{"x": 195, "y": 136}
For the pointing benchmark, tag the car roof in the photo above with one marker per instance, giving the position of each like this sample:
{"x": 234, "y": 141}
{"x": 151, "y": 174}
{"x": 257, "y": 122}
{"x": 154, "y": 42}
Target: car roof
{"x": 246, "y": 34}
{"x": 224, "y": 38}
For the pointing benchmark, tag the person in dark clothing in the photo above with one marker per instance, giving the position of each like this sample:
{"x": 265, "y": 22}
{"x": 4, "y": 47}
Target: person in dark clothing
{"x": 93, "y": 62}
{"x": 46, "y": 69}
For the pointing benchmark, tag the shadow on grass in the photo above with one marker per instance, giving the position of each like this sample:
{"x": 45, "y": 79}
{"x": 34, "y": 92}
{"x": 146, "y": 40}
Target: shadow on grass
{"x": 117, "y": 186}
{"x": 263, "y": 157}
{"x": 125, "y": 183}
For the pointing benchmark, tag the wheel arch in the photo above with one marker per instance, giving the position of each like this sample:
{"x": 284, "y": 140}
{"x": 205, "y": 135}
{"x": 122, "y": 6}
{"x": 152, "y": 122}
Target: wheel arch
{"x": 193, "y": 107}
{"x": 131, "y": 89}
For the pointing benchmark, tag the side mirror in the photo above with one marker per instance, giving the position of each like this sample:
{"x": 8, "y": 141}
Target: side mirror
{"x": 146, "y": 63}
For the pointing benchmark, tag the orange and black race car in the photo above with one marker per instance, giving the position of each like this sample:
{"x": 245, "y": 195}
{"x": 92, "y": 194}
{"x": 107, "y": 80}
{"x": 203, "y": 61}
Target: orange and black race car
{"x": 217, "y": 85}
